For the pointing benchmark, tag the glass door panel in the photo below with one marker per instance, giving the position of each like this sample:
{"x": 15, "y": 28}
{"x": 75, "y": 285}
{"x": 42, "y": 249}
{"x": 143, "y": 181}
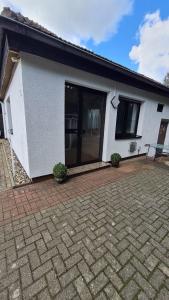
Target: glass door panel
{"x": 92, "y": 107}
{"x": 71, "y": 124}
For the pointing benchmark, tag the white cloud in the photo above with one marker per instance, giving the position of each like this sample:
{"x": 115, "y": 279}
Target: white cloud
{"x": 77, "y": 20}
{"x": 152, "y": 52}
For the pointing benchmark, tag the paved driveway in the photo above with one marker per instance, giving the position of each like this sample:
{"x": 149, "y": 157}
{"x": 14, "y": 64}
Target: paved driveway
{"x": 109, "y": 243}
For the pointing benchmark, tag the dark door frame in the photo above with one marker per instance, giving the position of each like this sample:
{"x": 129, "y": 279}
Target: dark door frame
{"x": 159, "y": 151}
{"x": 80, "y": 112}
{"x": 162, "y": 121}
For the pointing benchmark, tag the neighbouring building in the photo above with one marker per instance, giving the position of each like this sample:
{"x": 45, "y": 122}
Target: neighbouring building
{"x": 64, "y": 103}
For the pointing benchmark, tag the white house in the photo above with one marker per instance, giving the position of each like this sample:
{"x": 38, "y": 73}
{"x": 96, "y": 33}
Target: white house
{"x": 64, "y": 103}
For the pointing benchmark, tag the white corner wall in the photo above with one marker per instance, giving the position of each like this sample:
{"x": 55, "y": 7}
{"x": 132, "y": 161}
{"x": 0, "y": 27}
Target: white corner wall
{"x": 44, "y": 105}
{"x": 44, "y": 97}
{"x": 18, "y": 139}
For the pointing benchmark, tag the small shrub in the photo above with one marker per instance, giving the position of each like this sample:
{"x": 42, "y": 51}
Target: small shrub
{"x": 60, "y": 170}
{"x": 115, "y": 159}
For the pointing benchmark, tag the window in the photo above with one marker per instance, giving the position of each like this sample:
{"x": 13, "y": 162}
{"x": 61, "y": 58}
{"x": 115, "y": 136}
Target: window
{"x": 160, "y": 107}
{"x": 127, "y": 119}
{"x": 9, "y": 116}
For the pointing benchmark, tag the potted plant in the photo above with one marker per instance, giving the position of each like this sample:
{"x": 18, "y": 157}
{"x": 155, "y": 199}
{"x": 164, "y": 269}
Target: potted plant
{"x": 60, "y": 172}
{"x": 115, "y": 159}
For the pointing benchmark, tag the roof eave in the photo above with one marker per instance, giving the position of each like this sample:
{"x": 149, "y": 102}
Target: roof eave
{"x": 17, "y": 27}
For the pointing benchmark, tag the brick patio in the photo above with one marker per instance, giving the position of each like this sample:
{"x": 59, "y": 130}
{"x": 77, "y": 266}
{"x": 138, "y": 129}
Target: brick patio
{"x": 103, "y": 235}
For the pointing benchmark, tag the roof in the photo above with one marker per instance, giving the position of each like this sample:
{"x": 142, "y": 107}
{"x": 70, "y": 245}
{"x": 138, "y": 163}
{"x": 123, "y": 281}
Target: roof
{"x": 32, "y": 29}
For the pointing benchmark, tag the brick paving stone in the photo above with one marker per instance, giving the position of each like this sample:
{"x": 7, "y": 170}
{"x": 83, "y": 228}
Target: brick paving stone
{"x": 82, "y": 289}
{"x": 41, "y": 246}
{"x": 99, "y": 265}
{"x": 164, "y": 269}
{"x": 48, "y": 254}
{"x": 111, "y": 292}
{"x": 165, "y": 242}
{"x": 98, "y": 283}
{"x": 46, "y": 236}
{"x": 42, "y": 269}
{"x": 145, "y": 285}
{"x": 87, "y": 256}
{"x": 44, "y": 295}
{"x": 73, "y": 260}
{"x": 26, "y": 250}
{"x": 139, "y": 266}
{"x": 34, "y": 259}
{"x": 101, "y": 296}
{"x": 113, "y": 261}
{"x": 34, "y": 289}
{"x": 9, "y": 279}
{"x": 130, "y": 290}
{"x": 112, "y": 248}
{"x": 142, "y": 296}
{"x": 157, "y": 279}
{"x": 66, "y": 239}
{"x": 33, "y": 238}
{"x": 4, "y": 295}
{"x": 70, "y": 275}
{"x": 67, "y": 294}
{"x": 85, "y": 271}
{"x": 53, "y": 283}
{"x": 114, "y": 278}
{"x": 163, "y": 295}
{"x": 151, "y": 262}
{"x": 124, "y": 257}
{"x": 63, "y": 251}
{"x": 26, "y": 275}
{"x": 127, "y": 272}
{"x": 99, "y": 252}
{"x": 59, "y": 265}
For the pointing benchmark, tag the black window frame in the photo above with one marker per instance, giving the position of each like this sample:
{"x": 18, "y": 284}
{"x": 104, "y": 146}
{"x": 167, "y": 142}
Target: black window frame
{"x": 160, "y": 107}
{"x": 125, "y": 135}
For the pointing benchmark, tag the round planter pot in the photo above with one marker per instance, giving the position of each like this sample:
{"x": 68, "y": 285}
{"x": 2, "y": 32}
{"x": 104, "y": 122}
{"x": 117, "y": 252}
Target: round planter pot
{"x": 115, "y": 164}
{"x": 60, "y": 180}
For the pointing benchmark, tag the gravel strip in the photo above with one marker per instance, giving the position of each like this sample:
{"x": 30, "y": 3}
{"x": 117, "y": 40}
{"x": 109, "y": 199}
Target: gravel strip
{"x": 21, "y": 176}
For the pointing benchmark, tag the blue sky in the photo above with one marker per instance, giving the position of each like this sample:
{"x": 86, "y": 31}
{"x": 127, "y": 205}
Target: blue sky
{"x": 134, "y": 33}
{"x": 119, "y": 46}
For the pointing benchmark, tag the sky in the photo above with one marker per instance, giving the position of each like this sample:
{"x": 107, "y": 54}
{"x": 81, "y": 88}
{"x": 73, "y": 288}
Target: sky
{"x": 133, "y": 33}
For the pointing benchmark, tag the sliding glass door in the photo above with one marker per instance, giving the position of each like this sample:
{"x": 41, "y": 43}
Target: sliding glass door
{"x": 84, "y": 124}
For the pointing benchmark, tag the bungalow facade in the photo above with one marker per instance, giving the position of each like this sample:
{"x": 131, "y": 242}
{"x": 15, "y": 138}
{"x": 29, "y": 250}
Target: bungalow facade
{"x": 63, "y": 103}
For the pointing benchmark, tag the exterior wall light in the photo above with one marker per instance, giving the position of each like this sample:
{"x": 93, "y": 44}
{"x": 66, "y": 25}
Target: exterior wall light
{"x": 115, "y": 102}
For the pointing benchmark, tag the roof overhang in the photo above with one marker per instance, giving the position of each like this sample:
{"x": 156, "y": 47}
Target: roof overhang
{"x": 9, "y": 62}
{"x": 20, "y": 37}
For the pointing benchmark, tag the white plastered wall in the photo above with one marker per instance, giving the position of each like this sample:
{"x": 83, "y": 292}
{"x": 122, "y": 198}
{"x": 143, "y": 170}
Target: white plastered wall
{"x": 18, "y": 139}
{"x": 44, "y": 97}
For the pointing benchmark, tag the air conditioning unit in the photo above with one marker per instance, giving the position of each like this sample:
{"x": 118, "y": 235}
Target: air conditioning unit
{"x": 132, "y": 147}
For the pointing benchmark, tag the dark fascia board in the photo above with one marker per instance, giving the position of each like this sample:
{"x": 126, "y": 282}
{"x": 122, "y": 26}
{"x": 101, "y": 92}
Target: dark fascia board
{"x": 109, "y": 68}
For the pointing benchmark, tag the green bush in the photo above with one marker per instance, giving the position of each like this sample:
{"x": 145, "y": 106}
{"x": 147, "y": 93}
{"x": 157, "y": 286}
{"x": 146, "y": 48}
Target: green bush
{"x": 115, "y": 157}
{"x": 60, "y": 170}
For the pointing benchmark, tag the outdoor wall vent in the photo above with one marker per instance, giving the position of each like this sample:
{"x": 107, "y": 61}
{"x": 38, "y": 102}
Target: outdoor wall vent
{"x": 132, "y": 147}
